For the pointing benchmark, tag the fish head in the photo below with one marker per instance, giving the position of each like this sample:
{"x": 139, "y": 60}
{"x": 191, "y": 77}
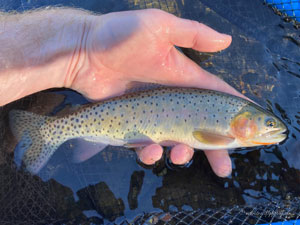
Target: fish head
{"x": 254, "y": 126}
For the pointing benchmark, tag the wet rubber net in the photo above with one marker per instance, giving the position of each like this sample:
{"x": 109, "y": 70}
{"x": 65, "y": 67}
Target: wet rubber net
{"x": 254, "y": 57}
{"x": 29, "y": 200}
{"x": 286, "y": 214}
{"x": 290, "y": 9}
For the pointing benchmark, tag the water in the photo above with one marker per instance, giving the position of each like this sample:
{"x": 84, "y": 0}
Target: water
{"x": 263, "y": 62}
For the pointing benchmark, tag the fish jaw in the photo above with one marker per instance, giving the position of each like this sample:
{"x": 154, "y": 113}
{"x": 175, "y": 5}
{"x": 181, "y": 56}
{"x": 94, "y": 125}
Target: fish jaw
{"x": 275, "y": 137}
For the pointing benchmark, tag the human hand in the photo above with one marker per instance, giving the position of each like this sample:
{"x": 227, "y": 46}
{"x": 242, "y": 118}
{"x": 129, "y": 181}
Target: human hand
{"x": 101, "y": 56}
{"x": 131, "y": 46}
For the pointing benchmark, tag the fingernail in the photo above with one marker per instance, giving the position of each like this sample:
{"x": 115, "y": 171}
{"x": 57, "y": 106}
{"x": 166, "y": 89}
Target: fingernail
{"x": 227, "y": 36}
{"x": 223, "y": 171}
{"x": 223, "y": 38}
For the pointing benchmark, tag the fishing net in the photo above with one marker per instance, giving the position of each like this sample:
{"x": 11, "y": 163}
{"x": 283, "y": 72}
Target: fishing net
{"x": 263, "y": 63}
{"x": 290, "y": 9}
{"x": 267, "y": 213}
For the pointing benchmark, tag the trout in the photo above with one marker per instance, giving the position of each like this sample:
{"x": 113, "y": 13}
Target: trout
{"x": 199, "y": 118}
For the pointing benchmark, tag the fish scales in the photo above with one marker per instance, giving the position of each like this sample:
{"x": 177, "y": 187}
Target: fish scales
{"x": 165, "y": 114}
{"x": 195, "y": 117}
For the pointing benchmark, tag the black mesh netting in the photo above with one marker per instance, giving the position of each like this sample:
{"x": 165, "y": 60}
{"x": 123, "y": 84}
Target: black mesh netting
{"x": 262, "y": 62}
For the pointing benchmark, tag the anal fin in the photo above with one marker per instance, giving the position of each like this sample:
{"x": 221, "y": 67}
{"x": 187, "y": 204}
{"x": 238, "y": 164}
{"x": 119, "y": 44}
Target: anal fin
{"x": 84, "y": 150}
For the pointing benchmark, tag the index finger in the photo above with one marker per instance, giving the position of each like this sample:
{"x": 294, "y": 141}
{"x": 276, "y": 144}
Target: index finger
{"x": 185, "y": 33}
{"x": 192, "y": 34}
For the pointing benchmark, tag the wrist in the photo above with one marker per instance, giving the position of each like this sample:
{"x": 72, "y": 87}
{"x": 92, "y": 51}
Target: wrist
{"x": 43, "y": 49}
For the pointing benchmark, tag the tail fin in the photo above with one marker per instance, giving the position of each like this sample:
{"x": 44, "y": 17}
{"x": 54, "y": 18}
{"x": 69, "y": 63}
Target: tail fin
{"x": 34, "y": 148}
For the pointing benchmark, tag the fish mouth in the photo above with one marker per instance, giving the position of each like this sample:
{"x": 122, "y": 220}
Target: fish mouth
{"x": 272, "y": 137}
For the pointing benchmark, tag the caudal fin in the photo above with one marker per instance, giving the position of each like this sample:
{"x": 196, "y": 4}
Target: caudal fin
{"x": 34, "y": 147}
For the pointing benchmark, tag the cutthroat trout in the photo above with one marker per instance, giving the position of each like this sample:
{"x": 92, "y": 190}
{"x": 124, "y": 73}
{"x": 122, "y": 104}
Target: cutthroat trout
{"x": 202, "y": 119}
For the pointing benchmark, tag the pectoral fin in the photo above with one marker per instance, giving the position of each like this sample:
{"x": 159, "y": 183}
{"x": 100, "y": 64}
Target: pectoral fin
{"x": 211, "y": 138}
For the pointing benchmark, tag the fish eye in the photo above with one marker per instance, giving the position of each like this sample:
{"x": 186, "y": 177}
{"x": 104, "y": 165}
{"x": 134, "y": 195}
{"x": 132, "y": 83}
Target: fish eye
{"x": 270, "y": 122}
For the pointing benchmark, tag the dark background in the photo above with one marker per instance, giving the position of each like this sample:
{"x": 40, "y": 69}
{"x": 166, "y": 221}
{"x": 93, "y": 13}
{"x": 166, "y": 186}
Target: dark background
{"x": 263, "y": 62}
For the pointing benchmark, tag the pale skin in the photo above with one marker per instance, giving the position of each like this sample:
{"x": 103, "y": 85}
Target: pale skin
{"x": 100, "y": 56}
